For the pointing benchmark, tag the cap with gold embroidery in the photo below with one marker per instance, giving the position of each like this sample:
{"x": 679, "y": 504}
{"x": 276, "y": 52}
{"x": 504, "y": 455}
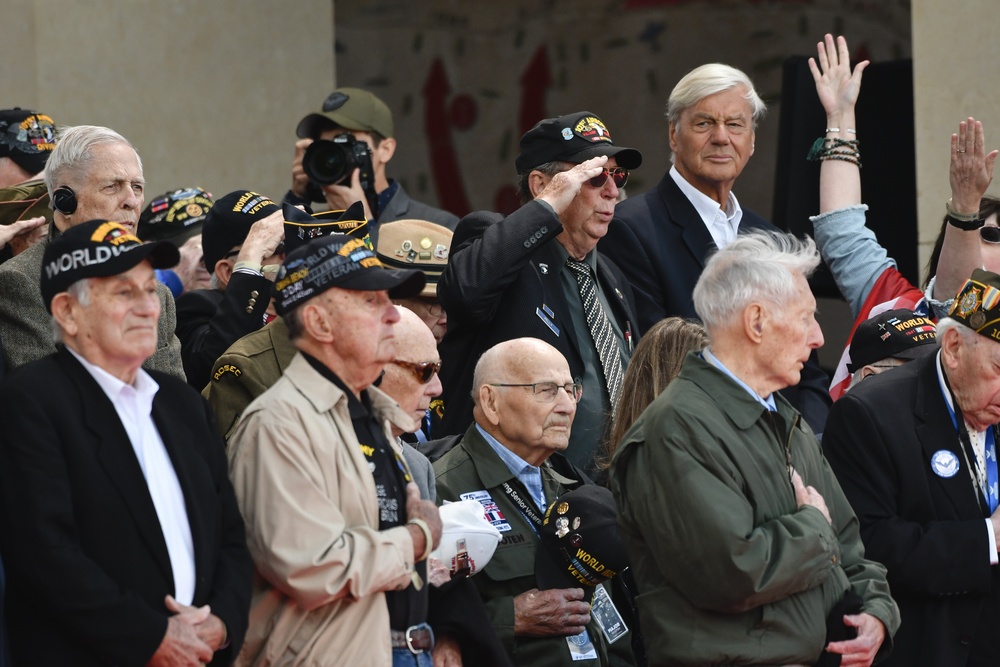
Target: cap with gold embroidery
{"x": 415, "y": 244}
{"x": 977, "y": 305}
{"x": 302, "y": 227}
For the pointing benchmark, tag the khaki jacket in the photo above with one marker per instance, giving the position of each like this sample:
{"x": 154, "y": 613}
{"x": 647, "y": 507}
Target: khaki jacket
{"x": 308, "y": 500}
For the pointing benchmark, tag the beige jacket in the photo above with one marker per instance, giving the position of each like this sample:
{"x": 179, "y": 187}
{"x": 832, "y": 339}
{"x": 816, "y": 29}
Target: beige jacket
{"x": 308, "y": 500}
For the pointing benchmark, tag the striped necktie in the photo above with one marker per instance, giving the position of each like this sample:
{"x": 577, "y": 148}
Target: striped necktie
{"x": 600, "y": 329}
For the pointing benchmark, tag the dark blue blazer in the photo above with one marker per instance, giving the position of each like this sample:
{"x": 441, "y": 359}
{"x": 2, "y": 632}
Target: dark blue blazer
{"x": 928, "y": 530}
{"x": 662, "y": 245}
{"x": 87, "y": 564}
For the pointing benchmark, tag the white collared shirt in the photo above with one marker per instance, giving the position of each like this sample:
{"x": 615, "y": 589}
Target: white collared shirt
{"x": 723, "y": 225}
{"x": 134, "y": 405}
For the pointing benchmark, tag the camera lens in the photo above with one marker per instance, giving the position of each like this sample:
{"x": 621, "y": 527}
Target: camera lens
{"x": 326, "y": 162}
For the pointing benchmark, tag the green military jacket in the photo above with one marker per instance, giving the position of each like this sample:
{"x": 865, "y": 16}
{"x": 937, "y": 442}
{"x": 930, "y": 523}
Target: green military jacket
{"x": 472, "y": 467}
{"x": 730, "y": 570}
{"x": 246, "y": 370}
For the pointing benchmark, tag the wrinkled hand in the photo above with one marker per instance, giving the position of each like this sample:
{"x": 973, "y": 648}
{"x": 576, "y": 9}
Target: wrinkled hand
{"x": 437, "y": 572}
{"x": 971, "y": 168}
{"x": 300, "y": 181}
{"x": 181, "y": 646}
{"x": 447, "y": 652}
{"x": 860, "y": 651}
{"x": 263, "y": 238}
{"x": 209, "y": 627}
{"x": 23, "y": 233}
{"x": 191, "y": 268}
{"x": 836, "y": 86}
{"x": 416, "y": 508}
{"x": 339, "y": 197}
{"x": 560, "y": 192}
{"x": 558, "y": 612}
{"x": 808, "y": 495}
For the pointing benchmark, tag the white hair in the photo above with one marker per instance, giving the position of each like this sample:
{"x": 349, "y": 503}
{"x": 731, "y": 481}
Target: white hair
{"x": 707, "y": 80}
{"x": 945, "y": 323}
{"x": 74, "y": 152}
{"x": 757, "y": 266}
{"x": 80, "y": 290}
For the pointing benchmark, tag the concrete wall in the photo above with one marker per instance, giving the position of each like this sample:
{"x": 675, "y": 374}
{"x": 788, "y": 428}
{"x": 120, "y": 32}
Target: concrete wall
{"x": 209, "y": 92}
{"x": 954, "y": 72}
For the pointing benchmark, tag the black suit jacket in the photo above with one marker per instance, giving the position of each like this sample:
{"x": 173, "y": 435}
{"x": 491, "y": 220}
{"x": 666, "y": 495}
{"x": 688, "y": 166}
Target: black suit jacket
{"x": 86, "y": 560}
{"x": 928, "y": 530}
{"x": 502, "y": 275}
{"x": 662, "y": 245}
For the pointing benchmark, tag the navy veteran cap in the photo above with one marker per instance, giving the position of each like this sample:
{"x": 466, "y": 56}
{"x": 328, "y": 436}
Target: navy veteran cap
{"x": 581, "y": 545}
{"x": 97, "y": 249}
{"x": 573, "y": 138}
{"x": 175, "y": 216}
{"x": 301, "y": 227}
{"x": 27, "y": 138}
{"x": 416, "y": 244}
{"x": 899, "y": 334}
{"x": 338, "y": 261}
{"x": 977, "y": 305}
{"x": 352, "y": 109}
{"x": 229, "y": 221}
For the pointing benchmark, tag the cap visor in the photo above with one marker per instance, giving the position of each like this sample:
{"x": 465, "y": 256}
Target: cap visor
{"x": 400, "y": 283}
{"x": 549, "y": 575}
{"x": 629, "y": 158}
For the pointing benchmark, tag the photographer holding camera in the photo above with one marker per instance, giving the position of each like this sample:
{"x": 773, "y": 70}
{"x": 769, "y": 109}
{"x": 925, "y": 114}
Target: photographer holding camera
{"x": 340, "y": 158}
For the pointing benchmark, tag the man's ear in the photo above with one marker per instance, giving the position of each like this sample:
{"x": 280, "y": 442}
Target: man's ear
{"x": 386, "y": 149}
{"x": 314, "y": 321}
{"x": 489, "y": 399}
{"x": 951, "y": 344}
{"x": 754, "y": 320}
{"x": 672, "y": 135}
{"x": 64, "y": 314}
{"x": 224, "y": 271}
{"x": 537, "y": 182}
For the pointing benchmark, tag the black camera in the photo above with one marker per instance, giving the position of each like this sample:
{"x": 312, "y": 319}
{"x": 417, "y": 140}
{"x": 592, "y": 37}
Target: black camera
{"x": 330, "y": 162}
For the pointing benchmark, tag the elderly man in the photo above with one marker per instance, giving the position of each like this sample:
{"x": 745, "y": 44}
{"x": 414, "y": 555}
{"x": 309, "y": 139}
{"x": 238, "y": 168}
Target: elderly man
{"x": 915, "y": 451}
{"x": 122, "y": 538}
{"x": 539, "y": 274}
{"x": 93, "y": 173}
{"x": 177, "y": 216}
{"x": 367, "y": 121}
{"x": 662, "y": 238}
{"x": 744, "y": 547}
{"x": 336, "y": 528}
{"x": 241, "y": 241}
{"x": 510, "y": 460}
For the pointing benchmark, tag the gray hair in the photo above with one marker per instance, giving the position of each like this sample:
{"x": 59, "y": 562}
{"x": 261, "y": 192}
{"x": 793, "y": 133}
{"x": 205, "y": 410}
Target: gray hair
{"x": 707, "y": 80}
{"x": 80, "y": 290}
{"x": 74, "y": 151}
{"x": 757, "y": 266}
{"x": 945, "y": 323}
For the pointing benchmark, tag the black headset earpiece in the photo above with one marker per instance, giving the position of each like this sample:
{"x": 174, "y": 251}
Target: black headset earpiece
{"x": 64, "y": 200}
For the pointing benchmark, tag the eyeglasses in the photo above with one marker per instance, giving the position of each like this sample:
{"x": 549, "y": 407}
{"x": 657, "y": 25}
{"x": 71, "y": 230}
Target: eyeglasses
{"x": 423, "y": 370}
{"x": 990, "y": 234}
{"x": 433, "y": 306}
{"x": 546, "y": 392}
{"x": 618, "y": 174}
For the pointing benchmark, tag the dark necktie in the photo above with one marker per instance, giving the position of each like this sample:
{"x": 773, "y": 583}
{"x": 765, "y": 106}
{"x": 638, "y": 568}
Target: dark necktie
{"x": 600, "y": 329}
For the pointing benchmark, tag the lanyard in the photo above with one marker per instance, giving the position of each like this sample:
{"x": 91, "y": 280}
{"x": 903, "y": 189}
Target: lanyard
{"x": 526, "y": 510}
{"x": 984, "y": 481}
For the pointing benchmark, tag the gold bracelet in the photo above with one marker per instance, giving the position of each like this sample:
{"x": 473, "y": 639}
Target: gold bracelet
{"x": 428, "y": 538}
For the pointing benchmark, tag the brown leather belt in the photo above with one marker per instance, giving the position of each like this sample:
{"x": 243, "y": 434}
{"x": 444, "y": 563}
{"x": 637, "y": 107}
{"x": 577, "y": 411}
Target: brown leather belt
{"x": 416, "y": 638}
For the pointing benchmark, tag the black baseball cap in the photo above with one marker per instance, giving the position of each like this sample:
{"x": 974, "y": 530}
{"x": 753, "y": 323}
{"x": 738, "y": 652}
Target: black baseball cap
{"x": 338, "y": 260}
{"x": 27, "y": 138}
{"x": 97, "y": 249}
{"x": 899, "y": 334}
{"x": 302, "y": 227}
{"x": 573, "y": 138}
{"x": 229, "y": 221}
{"x": 175, "y": 216}
{"x": 580, "y": 543}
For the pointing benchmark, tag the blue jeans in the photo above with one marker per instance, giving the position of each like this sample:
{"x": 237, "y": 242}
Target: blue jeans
{"x": 401, "y": 657}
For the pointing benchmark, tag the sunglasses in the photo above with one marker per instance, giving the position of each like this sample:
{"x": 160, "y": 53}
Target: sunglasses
{"x": 423, "y": 370}
{"x": 618, "y": 174}
{"x": 990, "y": 234}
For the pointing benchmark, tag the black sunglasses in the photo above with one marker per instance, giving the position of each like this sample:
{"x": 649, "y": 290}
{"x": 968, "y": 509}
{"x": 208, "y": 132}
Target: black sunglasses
{"x": 618, "y": 174}
{"x": 423, "y": 370}
{"x": 990, "y": 234}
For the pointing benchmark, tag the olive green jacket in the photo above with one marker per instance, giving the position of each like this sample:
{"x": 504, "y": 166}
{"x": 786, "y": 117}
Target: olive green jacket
{"x": 729, "y": 569}
{"x": 471, "y": 466}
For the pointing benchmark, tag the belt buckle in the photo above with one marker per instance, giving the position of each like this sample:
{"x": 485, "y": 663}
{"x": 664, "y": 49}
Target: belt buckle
{"x": 408, "y": 635}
